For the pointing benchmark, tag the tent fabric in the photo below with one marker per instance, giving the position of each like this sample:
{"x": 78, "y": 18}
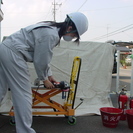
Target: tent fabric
{"x": 94, "y": 79}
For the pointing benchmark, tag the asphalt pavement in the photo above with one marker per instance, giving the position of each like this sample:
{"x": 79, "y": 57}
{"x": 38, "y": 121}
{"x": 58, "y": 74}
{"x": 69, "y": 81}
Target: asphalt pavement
{"x": 84, "y": 124}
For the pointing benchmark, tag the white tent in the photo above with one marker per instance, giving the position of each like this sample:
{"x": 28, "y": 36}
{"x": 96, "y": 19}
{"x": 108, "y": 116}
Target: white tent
{"x": 95, "y": 74}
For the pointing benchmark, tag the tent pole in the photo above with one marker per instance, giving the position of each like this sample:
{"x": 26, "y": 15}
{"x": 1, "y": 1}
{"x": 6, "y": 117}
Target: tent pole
{"x": 118, "y": 71}
{"x": 131, "y": 86}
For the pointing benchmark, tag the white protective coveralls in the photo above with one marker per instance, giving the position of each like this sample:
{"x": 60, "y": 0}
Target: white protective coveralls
{"x": 31, "y": 44}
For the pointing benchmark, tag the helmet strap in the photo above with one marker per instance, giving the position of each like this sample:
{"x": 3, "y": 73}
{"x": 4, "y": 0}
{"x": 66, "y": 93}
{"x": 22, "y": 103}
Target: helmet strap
{"x": 71, "y": 31}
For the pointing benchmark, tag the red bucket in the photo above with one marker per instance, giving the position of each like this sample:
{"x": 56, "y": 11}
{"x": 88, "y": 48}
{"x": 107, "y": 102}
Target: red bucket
{"x": 129, "y": 114}
{"x": 110, "y": 116}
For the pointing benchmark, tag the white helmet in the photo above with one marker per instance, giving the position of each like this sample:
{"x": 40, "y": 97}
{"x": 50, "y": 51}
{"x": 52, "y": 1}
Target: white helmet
{"x": 80, "y": 21}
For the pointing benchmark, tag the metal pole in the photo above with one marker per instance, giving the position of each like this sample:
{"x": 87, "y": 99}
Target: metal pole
{"x": 0, "y": 22}
{"x": 54, "y": 10}
{"x": 131, "y": 85}
{"x": 118, "y": 70}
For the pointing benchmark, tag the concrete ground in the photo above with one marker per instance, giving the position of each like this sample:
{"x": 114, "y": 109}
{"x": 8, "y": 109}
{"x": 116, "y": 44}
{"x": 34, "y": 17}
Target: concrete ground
{"x": 84, "y": 124}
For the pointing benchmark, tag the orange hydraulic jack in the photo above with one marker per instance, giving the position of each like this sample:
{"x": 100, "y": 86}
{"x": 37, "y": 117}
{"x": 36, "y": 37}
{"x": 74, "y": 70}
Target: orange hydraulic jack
{"x": 53, "y": 107}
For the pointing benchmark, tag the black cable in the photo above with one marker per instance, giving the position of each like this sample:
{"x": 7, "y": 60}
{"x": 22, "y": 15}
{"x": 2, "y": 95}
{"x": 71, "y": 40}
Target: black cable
{"x": 113, "y": 33}
{"x": 82, "y": 5}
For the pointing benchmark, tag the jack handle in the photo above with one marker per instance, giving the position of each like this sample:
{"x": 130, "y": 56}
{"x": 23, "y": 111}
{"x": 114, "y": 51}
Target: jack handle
{"x": 81, "y": 99}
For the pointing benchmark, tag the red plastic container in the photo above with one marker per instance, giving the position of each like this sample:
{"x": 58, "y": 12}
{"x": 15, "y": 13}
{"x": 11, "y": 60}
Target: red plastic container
{"x": 131, "y": 104}
{"x": 110, "y": 116}
{"x": 129, "y": 114}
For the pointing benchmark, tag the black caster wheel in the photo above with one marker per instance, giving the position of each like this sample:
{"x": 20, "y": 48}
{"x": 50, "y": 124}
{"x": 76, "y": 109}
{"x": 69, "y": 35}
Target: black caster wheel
{"x": 71, "y": 120}
{"x": 12, "y": 121}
